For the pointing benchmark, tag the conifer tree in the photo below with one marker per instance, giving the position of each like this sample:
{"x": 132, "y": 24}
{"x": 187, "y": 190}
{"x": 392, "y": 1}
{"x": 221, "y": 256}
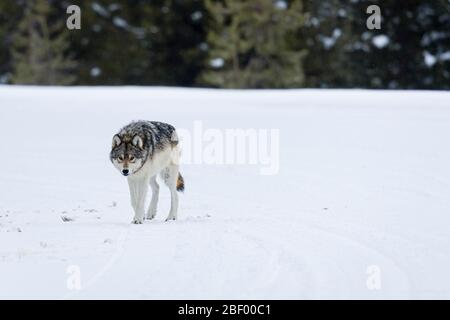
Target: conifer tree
{"x": 40, "y": 46}
{"x": 251, "y": 44}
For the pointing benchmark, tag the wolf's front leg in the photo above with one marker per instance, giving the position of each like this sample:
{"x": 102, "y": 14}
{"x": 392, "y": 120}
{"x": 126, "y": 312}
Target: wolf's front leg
{"x": 154, "y": 202}
{"x": 138, "y": 192}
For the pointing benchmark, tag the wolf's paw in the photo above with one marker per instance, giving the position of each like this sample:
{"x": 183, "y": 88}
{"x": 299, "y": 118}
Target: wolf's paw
{"x": 137, "y": 221}
{"x": 170, "y": 218}
{"x": 150, "y": 215}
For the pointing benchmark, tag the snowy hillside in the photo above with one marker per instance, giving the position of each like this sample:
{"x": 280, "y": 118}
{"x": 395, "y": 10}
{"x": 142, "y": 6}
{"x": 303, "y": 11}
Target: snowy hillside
{"x": 358, "y": 208}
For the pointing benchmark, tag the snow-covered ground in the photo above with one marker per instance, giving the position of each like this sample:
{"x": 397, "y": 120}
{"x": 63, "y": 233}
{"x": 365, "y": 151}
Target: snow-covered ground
{"x": 360, "y": 206}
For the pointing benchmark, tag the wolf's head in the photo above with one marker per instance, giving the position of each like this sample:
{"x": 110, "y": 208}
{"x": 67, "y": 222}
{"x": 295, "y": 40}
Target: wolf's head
{"x": 128, "y": 154}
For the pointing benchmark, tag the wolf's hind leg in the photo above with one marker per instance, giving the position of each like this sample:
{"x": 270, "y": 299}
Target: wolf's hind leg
{"x": 170, "y": 176}
{"x": 151, "y": 212}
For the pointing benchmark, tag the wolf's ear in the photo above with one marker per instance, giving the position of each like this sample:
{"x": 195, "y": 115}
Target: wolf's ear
{"x": 137, "y": 141}
{"x": 116, "y": 141}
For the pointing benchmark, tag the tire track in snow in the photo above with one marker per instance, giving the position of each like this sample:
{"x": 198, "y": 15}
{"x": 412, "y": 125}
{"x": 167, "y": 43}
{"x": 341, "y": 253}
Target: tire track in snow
{"x": 331, "y": 274}
{"x": 398, "y": 282}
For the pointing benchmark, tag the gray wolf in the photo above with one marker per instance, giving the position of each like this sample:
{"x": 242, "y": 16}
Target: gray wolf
{"x": 140, "y": 151}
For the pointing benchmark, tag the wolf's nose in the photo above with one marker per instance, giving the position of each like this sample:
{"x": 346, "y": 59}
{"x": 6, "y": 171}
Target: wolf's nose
{"x": 125, "y": 172}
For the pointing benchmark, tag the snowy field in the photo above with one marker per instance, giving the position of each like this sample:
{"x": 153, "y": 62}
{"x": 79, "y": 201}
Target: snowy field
{"x": 359, "y": 208}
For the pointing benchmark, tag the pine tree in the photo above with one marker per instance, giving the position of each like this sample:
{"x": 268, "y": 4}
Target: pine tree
{"x": 174, "y": 40}
{"x": 10, "y": 13}
{"x": 140, "y": 42}
{"x": 39, "y": 49}
{"x": 347, "y": 54}
{"x": 251, "y": 44}
{"x": 416, "y": 54}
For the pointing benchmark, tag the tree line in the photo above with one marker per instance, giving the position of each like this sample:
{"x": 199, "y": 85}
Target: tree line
{"x": 227, "y": 43}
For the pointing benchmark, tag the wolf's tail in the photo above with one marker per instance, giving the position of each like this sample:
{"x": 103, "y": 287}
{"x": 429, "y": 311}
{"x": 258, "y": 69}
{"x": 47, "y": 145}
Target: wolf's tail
{"x": 180, "y": 183}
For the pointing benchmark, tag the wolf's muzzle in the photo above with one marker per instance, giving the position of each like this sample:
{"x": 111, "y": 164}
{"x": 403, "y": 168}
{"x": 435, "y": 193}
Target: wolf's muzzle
{"x": 125, "y": 172}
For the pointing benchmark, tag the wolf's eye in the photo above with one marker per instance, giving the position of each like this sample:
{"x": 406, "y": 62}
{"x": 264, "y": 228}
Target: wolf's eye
{"x": 132, "y": 159}
{"x": 120, "y": 158}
